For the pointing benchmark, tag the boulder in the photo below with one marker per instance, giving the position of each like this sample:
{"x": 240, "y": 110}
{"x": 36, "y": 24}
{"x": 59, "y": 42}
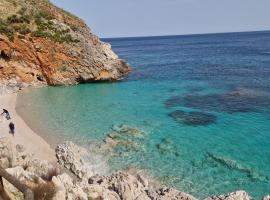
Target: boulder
{"x": 238, "y": 195}
{"x": 60, "y": 190}
{"x": 168, "y": 194}
{"x": 67, "y": 189}
{"x": 125, "y": 185}
{"x": 71, "y": 156}
{"x": 266, "y": 197}
{"x": 97, "y": 191}
{"x": 42, "y": 168}
{"x": 8, "y": 153}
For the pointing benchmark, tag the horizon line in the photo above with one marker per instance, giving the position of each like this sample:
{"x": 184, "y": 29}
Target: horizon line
{"x": 188, "y": 34}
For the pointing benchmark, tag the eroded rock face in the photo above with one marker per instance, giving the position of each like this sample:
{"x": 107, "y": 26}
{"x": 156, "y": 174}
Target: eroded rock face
{"x": 238, "y": 195}
{"x": 169, "y": 193}
{"x": 7, "y": 153}
{"x": 61, "y": 51}
{"x": 125, "y": 185}
{"x": 66, "y": 188}
{"x": 71, "y": 156}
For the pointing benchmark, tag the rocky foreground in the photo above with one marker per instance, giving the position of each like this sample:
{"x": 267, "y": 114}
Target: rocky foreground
{"x": 70, "y": 178}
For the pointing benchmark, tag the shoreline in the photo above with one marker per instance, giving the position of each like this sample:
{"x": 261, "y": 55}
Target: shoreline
{"x": 69, "y": 154}
{"x": 24, "y": 135}
{"x": 52, "y": 141}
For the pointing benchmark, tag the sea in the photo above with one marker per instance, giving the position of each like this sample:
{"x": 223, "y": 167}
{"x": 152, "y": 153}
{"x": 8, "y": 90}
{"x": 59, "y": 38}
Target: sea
{"x": 194, "y": 114}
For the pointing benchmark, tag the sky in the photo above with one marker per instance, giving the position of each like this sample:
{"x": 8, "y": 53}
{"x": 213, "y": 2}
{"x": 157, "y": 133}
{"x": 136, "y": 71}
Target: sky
{"x": 130, "y": 18}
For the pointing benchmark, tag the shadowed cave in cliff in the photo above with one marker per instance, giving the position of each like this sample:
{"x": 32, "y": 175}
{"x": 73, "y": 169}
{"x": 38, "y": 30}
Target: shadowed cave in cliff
{"x": 4, "y": 56}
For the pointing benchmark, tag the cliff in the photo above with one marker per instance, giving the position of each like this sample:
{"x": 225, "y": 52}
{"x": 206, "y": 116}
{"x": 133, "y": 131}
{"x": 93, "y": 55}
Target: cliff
{"x": 43, "y": 44}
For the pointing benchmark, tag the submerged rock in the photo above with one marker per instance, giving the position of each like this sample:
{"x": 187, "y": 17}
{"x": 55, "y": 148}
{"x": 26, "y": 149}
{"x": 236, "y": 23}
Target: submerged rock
{"x": 193, "y": 118}
{"x": 166, "y": 146}
{"x": 238, "y": 195}
{"x": 238, "y": 100}
{"x": 234, "y": 165}
{"x": 123, "y": 139}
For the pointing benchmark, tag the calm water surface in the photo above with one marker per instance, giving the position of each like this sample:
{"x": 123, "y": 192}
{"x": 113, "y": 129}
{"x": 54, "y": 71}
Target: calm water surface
{"x": 201, "y": 103}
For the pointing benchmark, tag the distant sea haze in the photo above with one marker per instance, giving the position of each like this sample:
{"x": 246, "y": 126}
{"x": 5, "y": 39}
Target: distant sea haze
{"x": 194, "y": 113}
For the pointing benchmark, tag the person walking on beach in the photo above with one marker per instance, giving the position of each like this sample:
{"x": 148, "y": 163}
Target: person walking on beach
{"x": 6, "y": 113}
{"x": 11, "y": 128}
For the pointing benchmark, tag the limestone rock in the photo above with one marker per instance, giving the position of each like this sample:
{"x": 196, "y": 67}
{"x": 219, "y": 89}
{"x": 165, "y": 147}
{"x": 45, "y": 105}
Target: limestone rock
{"x": 71, "y": 156}
{"x": 238, "y": 195}
{"x": 266, "y": 197}
{"x": 8, "y": 153}
{"x": 60, "y": 190}
{"x": 169, "y": 194}
{"x": 96, "y": 191}
{"x": 66, "y": 189}
{"x": 125, "y": 185}
{"x": 41, "y": 168}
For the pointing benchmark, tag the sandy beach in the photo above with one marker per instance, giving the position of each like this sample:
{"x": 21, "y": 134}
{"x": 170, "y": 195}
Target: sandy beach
{"x": 23, "y": 134}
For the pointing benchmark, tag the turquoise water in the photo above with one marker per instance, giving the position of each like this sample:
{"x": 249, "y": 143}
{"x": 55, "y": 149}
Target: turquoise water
{"x": 201, "y": 104}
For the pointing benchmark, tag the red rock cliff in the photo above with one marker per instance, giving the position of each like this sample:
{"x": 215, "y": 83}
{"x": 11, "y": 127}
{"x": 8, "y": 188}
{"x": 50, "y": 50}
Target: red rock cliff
{"x": 43, "y": 44}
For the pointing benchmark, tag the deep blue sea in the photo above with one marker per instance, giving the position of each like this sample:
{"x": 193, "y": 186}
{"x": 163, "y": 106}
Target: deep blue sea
{"x": 200, "y": 105}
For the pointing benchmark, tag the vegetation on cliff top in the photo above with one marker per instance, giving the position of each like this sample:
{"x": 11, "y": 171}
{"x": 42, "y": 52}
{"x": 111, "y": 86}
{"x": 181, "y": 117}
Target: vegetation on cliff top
{"x": 34, "y": 18}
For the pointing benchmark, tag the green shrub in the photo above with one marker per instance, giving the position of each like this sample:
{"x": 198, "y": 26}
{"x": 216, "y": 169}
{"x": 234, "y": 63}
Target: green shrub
{"x": 26, "y": 19}
{"x": 74, "y": 27}
{"x": 22, "y": 11}
{"x": 14, "y": 19}
{"x": 41, "y": 34}
{"x": 22, "y": 29}
{"x": 4, "y": 29}
{"x": 21, "y": 21}
{"x": 63, "y": 68}
{"x": 44, "y": 15}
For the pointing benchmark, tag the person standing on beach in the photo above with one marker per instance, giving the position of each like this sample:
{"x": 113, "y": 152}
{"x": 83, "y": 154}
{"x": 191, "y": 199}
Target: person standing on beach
{"x": 6, "y": 113}
{"x": 11, "y": 128}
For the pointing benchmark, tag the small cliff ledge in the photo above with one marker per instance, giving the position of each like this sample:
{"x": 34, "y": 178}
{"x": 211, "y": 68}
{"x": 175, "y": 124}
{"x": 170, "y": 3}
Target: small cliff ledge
{"x": 43, "y": 44}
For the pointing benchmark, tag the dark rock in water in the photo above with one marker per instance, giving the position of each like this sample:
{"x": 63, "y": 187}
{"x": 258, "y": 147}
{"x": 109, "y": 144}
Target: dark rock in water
{"x": 193, "y": 118}
{"x": 234, "y": 165}
{"x": 166, "y": 146}
{"x": 238, "y": 100}
{"x": 123, "y": 139}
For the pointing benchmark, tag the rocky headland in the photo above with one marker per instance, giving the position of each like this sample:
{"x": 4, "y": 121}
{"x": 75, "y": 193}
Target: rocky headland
{"x": 41, "y": 44}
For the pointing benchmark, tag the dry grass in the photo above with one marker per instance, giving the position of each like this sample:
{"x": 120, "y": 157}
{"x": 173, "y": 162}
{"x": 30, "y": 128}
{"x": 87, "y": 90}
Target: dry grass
{"x": 44, "y": 191}
{"x": 48, "y": 177}
{"x": 7, "y": 8}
